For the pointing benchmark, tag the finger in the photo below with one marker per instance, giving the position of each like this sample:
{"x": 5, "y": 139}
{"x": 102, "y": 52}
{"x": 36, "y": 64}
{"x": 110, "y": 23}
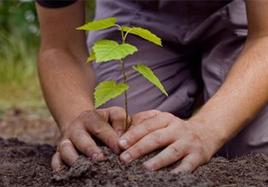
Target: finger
{"x": 67, "y": 152}
{"x": 189, "y": 163}
{"x": 117, "y": 118}
{"x": 147, "y": 144}
{"x": 136, "y": 133}
{"x": 85, "y": 144}
{"x": 102, "y": 130}
{"x": 56, "y": 163}
{"x": 171, "y": 154}
{"x": 141, "y": 116}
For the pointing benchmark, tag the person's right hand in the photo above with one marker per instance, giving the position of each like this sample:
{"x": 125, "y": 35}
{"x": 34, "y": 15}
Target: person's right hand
{"x": 105, "y": 124}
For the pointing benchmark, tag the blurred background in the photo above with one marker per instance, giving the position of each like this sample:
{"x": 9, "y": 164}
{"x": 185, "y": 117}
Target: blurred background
{"x": 23, "y": 113}
{"x": 19, "y": 42}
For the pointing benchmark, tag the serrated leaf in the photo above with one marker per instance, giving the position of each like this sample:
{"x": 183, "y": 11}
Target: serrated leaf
{"x": 91, "y": 57}
{"x": 108, "y": 90}
{"x": 148, "y": 74}
{"x": 143, "y": 33}
{"x": 98, "y": 24}
{"x": 107, "y": 50}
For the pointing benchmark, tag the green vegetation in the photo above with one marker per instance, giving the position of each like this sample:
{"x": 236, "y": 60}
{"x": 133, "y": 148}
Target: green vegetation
{"x": 19, "y": 42}
{"x": 108, "y": 50}
{"x": 19, "y": 39}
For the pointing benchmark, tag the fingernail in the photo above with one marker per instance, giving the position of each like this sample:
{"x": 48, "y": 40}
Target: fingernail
{"x": 148, "y": 166}
{"x": 182, "y": 169}
{"x": 97, "y": 156}
{"x": 94, "y": 156}
{"x": 126, "y": 157}
{"x": 123, "y": 143}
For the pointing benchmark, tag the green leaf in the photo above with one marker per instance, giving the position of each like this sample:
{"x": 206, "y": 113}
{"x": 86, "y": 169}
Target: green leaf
{"x": 150, "y": 76}
{"x": 99, "y": 24}
{"x": 91, "y": 57}
{"x": 108, "y": 90}
{"x": 107, "y": 50}
{"x": 143, "y": 33}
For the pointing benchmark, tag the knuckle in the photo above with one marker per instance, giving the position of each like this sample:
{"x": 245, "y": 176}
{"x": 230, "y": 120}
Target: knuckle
{"x": 76, "y": 133}
{"x": 167, "y": 115}
{"x": 87, "y": 116}
{"x": 131, "y": 136}
{"x": 156, "y": 138}
{"x": 153, "y": 112}
{"x": 91, "y": 116}
{"x": 103, "y": 113}
{"x": 71, "y": 128}
{"x": 116, "y": 108}
{"x": 194, "y": 138}
{"x": 64, "y": 143}
{"x": 99, "y": 131}
{"x": 147, "y": 129}
{"x": 175, "y": 150}
{"x": 117, "y": 116}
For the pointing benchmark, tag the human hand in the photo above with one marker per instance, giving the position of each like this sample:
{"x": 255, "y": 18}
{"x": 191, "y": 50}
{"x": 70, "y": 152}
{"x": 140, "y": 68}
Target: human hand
{"x": 77, "y": 137}
{"x": 185, "y": 141}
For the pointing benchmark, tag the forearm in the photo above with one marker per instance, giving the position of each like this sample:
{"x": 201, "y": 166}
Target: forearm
{"x": 241, "y": 96}
{"x": 67, "y": 84}
{"x": 66, "y": 79}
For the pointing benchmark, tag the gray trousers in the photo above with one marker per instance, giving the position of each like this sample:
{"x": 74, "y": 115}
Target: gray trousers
{"x": 201, "y": 41}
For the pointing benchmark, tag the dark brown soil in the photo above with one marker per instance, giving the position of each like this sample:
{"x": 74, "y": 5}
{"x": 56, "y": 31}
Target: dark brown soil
{"x": 24, "y": 164}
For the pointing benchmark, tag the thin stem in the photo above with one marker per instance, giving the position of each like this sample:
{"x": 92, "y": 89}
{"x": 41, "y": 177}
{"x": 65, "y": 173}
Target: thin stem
{"x": 122, "y": 33}
{"x": 125, "y": 93}
{"x": 124, "y": 36}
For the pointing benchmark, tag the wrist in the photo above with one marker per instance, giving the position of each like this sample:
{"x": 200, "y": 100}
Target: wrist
{"x": 212, "y": 135}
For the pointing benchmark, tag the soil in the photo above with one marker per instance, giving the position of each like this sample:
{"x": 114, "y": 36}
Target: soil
{"x": 31, "y": 126}
{"x": 28, "y": 164}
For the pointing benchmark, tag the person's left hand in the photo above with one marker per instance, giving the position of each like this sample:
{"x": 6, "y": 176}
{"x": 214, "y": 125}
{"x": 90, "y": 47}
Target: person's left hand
{"x": 190, "y": 143}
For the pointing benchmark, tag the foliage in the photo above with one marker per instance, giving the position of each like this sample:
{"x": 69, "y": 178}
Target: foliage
{"x": 98, "y": 25}
{"x": 143, "y": 33}
{"x": 19, "y": 41}
{"x": 150, "y": 76}
{"x": 107, "y": 90}
{"x": 107, "y": 50}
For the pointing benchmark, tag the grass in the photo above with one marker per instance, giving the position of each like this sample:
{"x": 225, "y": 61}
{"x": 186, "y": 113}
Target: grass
{"x": 19, "y": 86}
{"x": 19, "y": 41}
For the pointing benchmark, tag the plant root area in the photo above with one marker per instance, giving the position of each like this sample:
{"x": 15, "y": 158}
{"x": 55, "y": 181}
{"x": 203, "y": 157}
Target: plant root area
{"x": 28, "y": 164}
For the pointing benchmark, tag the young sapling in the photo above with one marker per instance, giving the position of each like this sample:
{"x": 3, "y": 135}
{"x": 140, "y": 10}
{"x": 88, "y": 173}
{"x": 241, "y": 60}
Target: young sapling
{"x": 109, "y": 50}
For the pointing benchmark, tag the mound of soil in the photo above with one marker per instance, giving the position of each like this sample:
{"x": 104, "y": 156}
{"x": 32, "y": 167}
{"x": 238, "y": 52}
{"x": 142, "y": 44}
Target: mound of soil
{"x": 24, "y": 164}
{"x": 31, "y": 126}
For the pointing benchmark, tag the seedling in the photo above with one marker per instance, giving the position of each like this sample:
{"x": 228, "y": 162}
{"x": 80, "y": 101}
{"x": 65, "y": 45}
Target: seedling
{"x": 109, "y": 50}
